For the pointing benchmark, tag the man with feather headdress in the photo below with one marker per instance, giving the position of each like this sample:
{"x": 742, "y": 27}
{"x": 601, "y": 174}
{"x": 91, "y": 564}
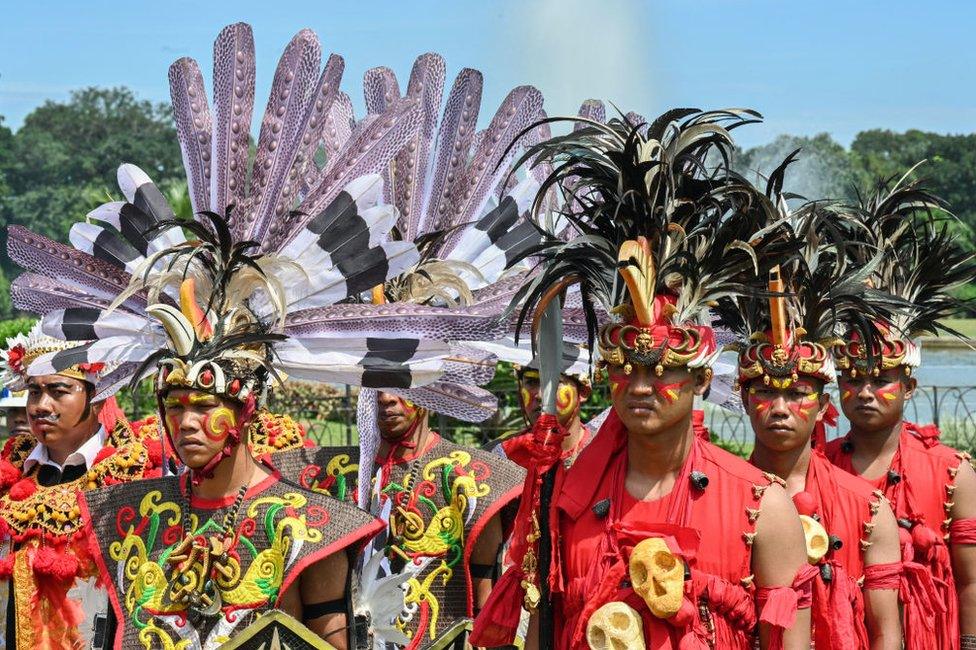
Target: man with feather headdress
{"x": 220, "y": 318}
{"x": 658, "y": 206}
{"x": 784, "y": 368}
{"x": 931, "y": 487}
{"x": 443, "y": 504}
{"x": 77, "y": 441}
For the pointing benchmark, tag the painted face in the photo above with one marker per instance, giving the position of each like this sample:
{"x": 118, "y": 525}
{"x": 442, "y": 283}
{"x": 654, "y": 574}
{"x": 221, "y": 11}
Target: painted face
{"x": 60, "y": 411}
{"x": 198, "y": 424}
{"x": 875, "y": 403}
{"x": 648, "y": 404}
{"x": 397, "y": 418}
{"x": 784, "y": 418}
{"x": 568, "y": 398}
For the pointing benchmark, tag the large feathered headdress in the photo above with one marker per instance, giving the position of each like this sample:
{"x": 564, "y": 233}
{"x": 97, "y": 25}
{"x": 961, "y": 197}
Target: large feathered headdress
{"x": 791, "y": 329}
{"x": 21, "y": 351}
{"x": 259, "y": 288}
{"x": 659, "y": 208}
{"x": 449, "y": 184}
{"x": 921, "y": 263}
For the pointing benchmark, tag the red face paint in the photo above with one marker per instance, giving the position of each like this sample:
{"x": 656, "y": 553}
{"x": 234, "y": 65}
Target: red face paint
{"x": 619, "y": 380}
{"x": 760, "y": 403}
{"x": 805, "y": 406}
{"x": 669, "y": 392}
{"x": 888, "y": 392}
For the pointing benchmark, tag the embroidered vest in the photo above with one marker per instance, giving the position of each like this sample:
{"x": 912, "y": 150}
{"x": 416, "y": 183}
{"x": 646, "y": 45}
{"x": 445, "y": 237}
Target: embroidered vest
{"x": 280, "y": 530}
{"x": 436, "y": 505}
{"x": 49, "y": 564}
{"x": 328, "y": 470}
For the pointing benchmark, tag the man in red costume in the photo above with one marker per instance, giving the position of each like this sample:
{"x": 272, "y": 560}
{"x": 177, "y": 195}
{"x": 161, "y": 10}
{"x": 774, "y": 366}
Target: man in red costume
{"x": 573, "y": 391}
{"x": 784, "y": 365}
{"x": 931, "y": 487}
{"x": 660, "y": 539}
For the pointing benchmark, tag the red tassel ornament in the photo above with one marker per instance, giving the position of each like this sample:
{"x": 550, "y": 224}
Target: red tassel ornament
{"x": 22, "y": 489}
{"x": 55, "y": 564}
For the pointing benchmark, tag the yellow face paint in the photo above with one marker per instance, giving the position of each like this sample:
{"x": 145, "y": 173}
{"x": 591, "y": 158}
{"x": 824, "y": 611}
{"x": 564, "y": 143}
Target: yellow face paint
{"x": 567, "y": 401}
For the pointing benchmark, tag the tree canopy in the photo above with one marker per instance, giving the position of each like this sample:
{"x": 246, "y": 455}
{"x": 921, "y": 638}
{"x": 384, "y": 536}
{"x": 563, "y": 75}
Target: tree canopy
{"x": 62, "y": 162}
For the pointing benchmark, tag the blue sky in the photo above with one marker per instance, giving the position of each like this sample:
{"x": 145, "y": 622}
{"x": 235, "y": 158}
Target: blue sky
{"x": 809, "y": 67}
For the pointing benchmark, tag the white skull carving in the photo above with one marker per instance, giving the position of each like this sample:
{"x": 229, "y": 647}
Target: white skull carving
{"x": 816, "y": 537}
{"x": 658, "y": 576}
{"x": 615, "y": 626}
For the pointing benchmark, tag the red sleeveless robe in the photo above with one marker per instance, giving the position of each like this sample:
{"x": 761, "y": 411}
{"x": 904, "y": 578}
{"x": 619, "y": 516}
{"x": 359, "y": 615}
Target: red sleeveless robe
{"x": 919, "y": 485}
{"x": 845, "y": 505}
{"x": 711, "y": 528}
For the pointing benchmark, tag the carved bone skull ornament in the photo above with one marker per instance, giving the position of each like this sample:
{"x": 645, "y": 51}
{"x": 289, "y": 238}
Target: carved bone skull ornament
{"x": 615, "y": 626}
{"x": 816, "y": 537}
{"x": 658, "y": 576}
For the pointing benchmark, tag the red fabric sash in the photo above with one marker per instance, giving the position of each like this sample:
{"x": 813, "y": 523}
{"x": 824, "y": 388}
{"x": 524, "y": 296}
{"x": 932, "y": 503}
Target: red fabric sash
{"x": 883, "y": 576}
{"x": 497, "y": 623}
{"x": 927, "y": 433}
{"x": 778, "y": 605}
{"x": 963, "y": 531}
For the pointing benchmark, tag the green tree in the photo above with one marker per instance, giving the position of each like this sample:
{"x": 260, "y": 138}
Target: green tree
{"x": 822, "y": 169}
{"x": 949, "y": 168}
{"x": 83, "y": 141}
{"x": 63, "y": 161}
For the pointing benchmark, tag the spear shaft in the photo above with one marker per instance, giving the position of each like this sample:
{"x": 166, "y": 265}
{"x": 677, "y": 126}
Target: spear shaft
{"x": 549, "y": 342}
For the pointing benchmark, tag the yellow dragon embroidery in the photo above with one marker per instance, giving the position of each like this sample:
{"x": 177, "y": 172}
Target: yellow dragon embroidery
{"x": 149, "y": 577}
{"x": 422, "y": 533}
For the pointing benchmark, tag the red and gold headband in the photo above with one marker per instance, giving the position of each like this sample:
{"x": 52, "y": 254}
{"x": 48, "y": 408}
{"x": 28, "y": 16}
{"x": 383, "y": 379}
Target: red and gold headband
{"x": 779, "y": 356}
{"x": 647, "y": 335}
{"x": 890, "y": 350}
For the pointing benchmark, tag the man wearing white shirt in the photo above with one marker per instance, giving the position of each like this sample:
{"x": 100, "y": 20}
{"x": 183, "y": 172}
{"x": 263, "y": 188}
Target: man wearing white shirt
{"x": 65, "y": 423}
{"x": 54, "y": 601}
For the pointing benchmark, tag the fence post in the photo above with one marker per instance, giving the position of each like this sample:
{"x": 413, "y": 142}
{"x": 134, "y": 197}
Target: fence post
{"x": 935, "y": 405}
{"x": 347, "y": 413}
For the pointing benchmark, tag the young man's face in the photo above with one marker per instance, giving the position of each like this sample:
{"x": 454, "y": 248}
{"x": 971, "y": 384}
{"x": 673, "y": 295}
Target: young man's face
{"x": 784, "y": 418}
{"x": 397, "y": 418}
{"x": 570, "y": 395}
{"x": 648, "y": 404}
{"x": 876, "y": 403}
{"x": 17, "y": 422}
{"x": 60, "y": 411}
{"x": 198, "y": 424}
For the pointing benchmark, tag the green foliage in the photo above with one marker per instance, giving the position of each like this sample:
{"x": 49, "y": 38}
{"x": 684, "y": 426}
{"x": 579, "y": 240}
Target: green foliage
{"x": 62, "y": 162}
{"x": 14, "y": 326}
{"x": 826, "y": 170}
{"x": 83, "y": 141}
